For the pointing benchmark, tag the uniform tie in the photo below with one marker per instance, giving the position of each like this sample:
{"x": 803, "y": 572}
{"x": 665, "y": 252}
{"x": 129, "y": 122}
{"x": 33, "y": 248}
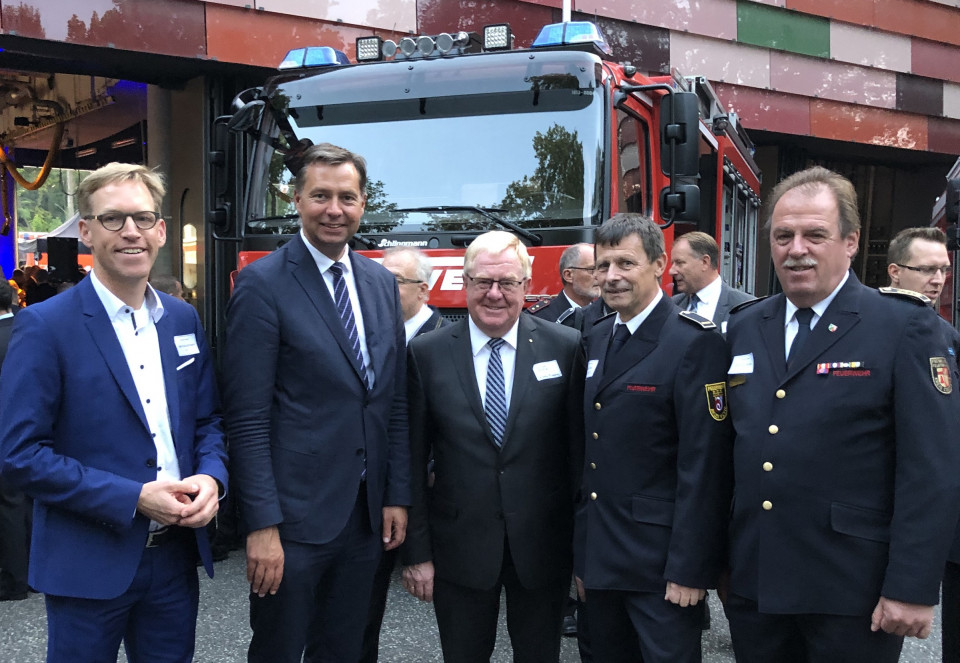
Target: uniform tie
{"x": 495, "y": 406}
{"x": 692, "y": 306}
{"x": 804, "y": 316}
{"x": 620, "y": 336}
{"x": 345, "y": 309}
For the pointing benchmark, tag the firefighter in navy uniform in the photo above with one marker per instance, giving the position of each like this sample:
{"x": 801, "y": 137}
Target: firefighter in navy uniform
{"x": 847, "y": 487}
{"x": 657, "y": 476}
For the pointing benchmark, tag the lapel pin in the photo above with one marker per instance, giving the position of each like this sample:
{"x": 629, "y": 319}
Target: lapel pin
{"x": 831, "y": 327}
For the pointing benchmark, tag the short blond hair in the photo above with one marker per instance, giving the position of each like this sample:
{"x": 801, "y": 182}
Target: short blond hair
{"x": 114, "y": 173}
{"x": 494, "y": 242}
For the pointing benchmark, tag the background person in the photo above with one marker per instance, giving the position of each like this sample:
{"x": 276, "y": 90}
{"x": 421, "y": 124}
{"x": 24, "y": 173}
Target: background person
{"x": 579, "y": 288}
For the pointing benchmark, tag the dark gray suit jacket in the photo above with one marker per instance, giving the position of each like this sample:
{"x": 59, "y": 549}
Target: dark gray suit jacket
{"x": 729, "y": 298}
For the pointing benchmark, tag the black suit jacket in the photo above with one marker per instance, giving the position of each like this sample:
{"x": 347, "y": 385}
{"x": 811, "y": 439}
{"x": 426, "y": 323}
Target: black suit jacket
{"x": 524, "y": 491}
{"x": 299, "y": 418}
{"x": 434, "y": 322}
{"x": 6, "y": 326}
{"x": 557, "y": 307}
{"x": 657, "y": 478}
{"x": 845, "y": 464}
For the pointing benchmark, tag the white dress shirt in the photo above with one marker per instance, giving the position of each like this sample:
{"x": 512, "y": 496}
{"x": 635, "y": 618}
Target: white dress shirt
{"x": 790, "y": 316}
{"x": 634, "y": 323}
{"x": 481, "y": 357}
{"x": 323, "y": 264}
{"x": 708, "y": 298}
{"x": 413, "y": 325}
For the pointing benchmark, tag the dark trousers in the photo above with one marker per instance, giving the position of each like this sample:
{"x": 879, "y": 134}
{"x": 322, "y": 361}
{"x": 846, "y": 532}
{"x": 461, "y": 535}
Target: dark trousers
{"x": 156, "y": 618}
{"x": 467, "y": 618}
{"x": 320, "y": 610}
{"x": 630, "y": 627}
{"x": 378, "y": 606}
{"x": 950, "y": 614}
{"x": 14, "y": 540}
{"x": 807, "y": 638}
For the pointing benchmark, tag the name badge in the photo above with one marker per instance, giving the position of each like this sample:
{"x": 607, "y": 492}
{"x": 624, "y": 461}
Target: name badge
{"x": 741, "y": 364}
{"x": 547, "y": 369}
{"x": 592, "y": 367}
{"x": 186, "y": 345}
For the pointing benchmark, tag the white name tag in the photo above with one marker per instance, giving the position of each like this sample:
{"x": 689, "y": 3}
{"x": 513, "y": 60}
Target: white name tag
{"x": 186, "y": 345}
{"x": 592, "y": 367}
{"x": 741, "y": 364}
{"x": 547, "y": 369}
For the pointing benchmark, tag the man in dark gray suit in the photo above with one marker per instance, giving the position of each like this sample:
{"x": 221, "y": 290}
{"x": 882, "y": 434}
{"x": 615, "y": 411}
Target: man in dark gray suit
{"x": 694, "y": 266}
{"x": 497, "y": 399}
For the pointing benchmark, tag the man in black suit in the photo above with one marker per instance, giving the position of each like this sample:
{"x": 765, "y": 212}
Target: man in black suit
{"x": 14, "y": 509}
{"x": 846, "y": 482}
{"x": 694, "y": 266}
{"x": 496, "y": 399}
{"x": 412, "y": 270}
{"x": 656, "y": 483}
{"x": 579, "y": 288}
{"x": 315, "y": 387}
{"x": 917, "y": 260}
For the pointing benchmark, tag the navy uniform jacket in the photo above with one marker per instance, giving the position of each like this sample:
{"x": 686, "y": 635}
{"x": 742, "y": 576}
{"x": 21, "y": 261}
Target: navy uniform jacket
{"x": 523, "y": 491}
{"x": 846, "y": 481}
{"x": 656, "y": 485}
{"x": 951, "y": 339}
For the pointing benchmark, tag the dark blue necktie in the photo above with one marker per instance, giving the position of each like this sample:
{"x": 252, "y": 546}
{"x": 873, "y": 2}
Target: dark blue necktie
{"x": 342, "y": 299}
{"x": 804, "y": 316}
{"x": 692, "y": 306}
{"x": 620, "y": 336}
{"x": 495, "y": 406}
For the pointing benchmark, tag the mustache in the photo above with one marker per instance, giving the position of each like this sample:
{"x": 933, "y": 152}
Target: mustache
{"x": 790, "y": 263}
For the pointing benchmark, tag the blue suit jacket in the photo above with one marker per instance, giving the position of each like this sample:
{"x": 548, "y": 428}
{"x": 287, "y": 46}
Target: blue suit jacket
{"x": 298, "y": 416}
{"x": 73, "y": 436}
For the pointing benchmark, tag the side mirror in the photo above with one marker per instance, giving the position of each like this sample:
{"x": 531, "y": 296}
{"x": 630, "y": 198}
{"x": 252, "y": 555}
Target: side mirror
{"x": 680, "y": 134}
{"x": 681, "y": 205}
{"x": 951, "y": 209}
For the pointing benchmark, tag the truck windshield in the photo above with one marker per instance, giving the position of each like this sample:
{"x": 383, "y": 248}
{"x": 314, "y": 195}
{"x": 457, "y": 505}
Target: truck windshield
{"x": 449, "y": 143}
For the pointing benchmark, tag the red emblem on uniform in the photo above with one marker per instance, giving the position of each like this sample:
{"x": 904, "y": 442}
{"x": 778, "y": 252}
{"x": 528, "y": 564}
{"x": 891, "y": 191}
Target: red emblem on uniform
{"x": 940, "y": 372}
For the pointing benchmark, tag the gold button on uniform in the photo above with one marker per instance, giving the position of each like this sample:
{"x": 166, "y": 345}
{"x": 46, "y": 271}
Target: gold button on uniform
{"x": 593, "y": 466}
{"x": 596, "y": 437}
{"x": 774, "y": 429}
{"x": 593, "y": 496}
{"x": 596, "y": 405}
{"x": 767, "y": 505}
{"x": 768, "y": 466}
{"x": 781, "y": 393}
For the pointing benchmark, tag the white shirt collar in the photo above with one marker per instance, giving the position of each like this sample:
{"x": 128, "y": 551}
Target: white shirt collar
{"x": 115, "y": 306}
{"x": 478, "y": 339}
{"x": 413, "y": 325}
{"x": 818, "y": 308}
{"x": 323, "y": 262}
{"x": 710, "y": 294}
{"x": 634, "y": 323}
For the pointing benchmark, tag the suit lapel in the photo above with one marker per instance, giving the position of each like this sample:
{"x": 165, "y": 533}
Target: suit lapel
{"x": 772, "y": 332}
{"x": 367, "y": 292}
{"x": 522, "y": 374}
{"x": 105, "y": 338}
{"x": 305, "y": 272}
{"x": 170, "y": 359}
{"x": 639, "y": 345}
{"x": 723, "y": 304}
{"x": 841, "y": 316}
{"x": 462, "y": 355}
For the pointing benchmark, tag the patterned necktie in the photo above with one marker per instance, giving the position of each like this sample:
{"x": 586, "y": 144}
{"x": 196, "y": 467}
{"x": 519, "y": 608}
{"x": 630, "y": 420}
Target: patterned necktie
{"x": 804, "y": 316}
{"x": 692, "y": 306}
{"x": 620, "y": 336}
{"x": 495, "y": 407}
{"x": 345, "y": 309}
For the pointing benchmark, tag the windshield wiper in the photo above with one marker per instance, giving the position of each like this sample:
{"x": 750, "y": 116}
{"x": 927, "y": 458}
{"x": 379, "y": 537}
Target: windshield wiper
{"x": 534, "y": 239}
{"x": 369, "y": 243}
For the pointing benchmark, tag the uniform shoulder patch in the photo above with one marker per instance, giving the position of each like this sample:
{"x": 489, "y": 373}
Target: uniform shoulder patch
{"x": 539, "y": 306}
{"x": 908, "y": 295}
{"x": 602, "y": 318}
{"x": 699, "y": 320}
{"x": 749, "y": 302}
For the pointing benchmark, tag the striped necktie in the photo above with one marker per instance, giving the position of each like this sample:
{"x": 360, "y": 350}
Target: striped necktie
{"x": 345, "y": 309}
{"x": 495, "y": 406}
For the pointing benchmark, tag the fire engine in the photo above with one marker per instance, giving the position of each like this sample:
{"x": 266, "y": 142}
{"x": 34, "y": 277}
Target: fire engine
{"x": 462, "y": 134}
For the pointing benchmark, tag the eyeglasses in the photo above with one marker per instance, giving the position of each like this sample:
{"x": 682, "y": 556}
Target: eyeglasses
{"x": 114, "y": 221}
{"x": 586, "y": 269}
{"x": 404, "y": 281}
{"x": 506, "y": 285}
{"x": 927, "y": 270}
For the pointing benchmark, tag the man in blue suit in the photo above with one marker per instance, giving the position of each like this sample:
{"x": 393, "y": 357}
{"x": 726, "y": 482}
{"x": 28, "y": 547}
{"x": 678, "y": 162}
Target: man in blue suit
{"x": 315, "y": 382}
{"x": 111, "y": 425}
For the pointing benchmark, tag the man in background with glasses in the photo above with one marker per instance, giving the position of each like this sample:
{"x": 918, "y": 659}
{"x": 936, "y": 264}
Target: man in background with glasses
{"x": 111, "y": 425}
{"x": 579, "y": 288}
{"x": 496, "y": 399}
{"x": 917, "y": 260}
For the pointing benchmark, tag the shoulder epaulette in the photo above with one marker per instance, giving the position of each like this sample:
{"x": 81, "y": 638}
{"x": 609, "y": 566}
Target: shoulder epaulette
{"x": 542, "y": 304}
{"x": 749, "y": 302}
{"x": 909, "y": 295}
{"x": 698, "y": 320}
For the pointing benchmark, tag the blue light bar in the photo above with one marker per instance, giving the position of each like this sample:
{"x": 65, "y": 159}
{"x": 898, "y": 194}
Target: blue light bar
{"x": 568, "y": 34}
{"x": 313, "y": 56}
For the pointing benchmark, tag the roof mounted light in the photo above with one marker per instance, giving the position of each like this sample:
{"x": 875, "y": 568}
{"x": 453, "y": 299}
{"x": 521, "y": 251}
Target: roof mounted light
{"x": 447, "y": 42}
{"x": 497, "y": 37}
{"x": 369, "y": 49}
{"x": 425, "y": 45}
{"x": 390, "y": 48}
{"x": 408, "y": 46}
{"x": 313, "y": 56}
{"x": 583, "y": 34}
